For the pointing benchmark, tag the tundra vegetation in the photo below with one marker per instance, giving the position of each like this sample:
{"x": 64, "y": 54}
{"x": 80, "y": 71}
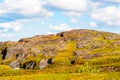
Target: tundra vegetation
{"x": 71, "y": 55}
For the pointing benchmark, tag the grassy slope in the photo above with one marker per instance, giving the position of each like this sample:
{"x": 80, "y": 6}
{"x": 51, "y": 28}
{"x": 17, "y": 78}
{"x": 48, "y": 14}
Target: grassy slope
{"x": 88, "y": 71}
{"x": 83, "y": 69}
{"x": 39, "y": 75}
{"x": 65, "y": 76}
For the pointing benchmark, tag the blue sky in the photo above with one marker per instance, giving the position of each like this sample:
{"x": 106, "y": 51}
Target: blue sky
{"x": 27, "y": 18}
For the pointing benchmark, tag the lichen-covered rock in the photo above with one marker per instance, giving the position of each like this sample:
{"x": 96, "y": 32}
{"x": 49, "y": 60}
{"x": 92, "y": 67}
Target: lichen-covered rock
{"x": 112, "y": 36}
{"x": 78, "y": 53}
{"x": 43, "y": 64}
{"x": 19, "y": 55}
{"x": 90, "y": 56}
{"x": 14, "y": 65}
{"x": 81, "y": 45}
{"x": 110, "y": 68}
{"x": 88, "y": 44}
{"x": 29, "y": 65}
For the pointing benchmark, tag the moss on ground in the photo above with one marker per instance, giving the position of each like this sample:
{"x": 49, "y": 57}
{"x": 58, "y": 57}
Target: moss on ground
{"x": 99, "y": 57}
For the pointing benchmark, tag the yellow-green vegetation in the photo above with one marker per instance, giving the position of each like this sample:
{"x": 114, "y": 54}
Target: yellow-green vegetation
{"x": 8, "y": 74}
{"x": 73, "y": 55}
{"x": 65, "y": 76}
{"x": 7, "y": 71}
{"x": 33, "y": 58}
{"x": 65, "y": 58}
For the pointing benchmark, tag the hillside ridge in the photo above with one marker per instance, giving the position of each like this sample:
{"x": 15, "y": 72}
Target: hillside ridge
{"x": 73, "y": 48}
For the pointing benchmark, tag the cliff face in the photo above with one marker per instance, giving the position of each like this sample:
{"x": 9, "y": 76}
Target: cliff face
{"x": 76, "y": 47}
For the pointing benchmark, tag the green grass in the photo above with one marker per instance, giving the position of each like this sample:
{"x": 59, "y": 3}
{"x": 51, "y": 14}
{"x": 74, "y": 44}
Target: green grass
{"x": 62, "y": 68}
{"x": 67, "y": 56}
{"x": 66, "y": 76}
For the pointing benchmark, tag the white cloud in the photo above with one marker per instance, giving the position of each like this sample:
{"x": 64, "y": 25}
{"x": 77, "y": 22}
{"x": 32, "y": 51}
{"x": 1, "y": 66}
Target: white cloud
{"x": 42, "y": 22}
{"x": 16, "y": 26}
{"x": 93, "y": 24}
{"x": 74, "y": 20}
{"x": 109, "y": 15}
{"x": 7, "y": 35}
{"x": 72, "y": 14}
{"x": 49, "y": 33}
{"x": 61, "y": 27}
{"x": 25, "y": 8}
{"x": 116, "y": 1}
{"x": 95, "y": 5}
{"x": 69, "y": 5}
{"x": 70, "y": 8}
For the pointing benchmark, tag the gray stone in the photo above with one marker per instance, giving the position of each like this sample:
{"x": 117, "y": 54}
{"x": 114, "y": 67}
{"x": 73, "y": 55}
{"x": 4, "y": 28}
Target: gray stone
{"x": 90, "y": 56}
{"x": 78, "y": 53}
{"x": 29, "y": 65}
{"x": 43, "y": 64}
{"x": 14, "y": 65}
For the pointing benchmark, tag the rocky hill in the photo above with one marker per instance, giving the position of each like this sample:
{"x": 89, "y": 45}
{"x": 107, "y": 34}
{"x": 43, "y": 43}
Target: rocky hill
{"x": 68, "y": 50}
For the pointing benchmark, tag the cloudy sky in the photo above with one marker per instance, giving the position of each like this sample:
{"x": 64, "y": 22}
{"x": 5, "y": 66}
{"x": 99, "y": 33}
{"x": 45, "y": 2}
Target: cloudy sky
{"x": 26, "y": 18}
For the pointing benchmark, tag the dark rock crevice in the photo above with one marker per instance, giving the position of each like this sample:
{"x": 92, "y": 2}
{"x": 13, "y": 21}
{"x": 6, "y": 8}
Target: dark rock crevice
{"x": 29, "y": 65}
{"x": 4, "y": 53}
{"x": 50, "y": 61}
{"x": 61, "y": 34}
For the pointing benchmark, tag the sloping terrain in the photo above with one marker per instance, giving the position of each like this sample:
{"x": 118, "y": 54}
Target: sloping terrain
{"x": 72, "y": 51}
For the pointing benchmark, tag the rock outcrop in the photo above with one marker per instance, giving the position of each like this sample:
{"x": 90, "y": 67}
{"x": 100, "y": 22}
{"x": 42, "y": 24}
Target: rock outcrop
{"x": 14, "y": 65}
{"x": 70, "y": 47}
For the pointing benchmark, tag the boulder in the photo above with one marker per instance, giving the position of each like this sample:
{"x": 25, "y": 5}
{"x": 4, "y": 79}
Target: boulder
{"x": 29, "y": 65}
{"x": 14, "y": 65}
{"x": 19, "y": 55}
{"x": 43, "y": 64}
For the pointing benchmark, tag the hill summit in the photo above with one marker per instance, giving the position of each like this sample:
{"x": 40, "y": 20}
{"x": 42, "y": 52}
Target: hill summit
{"x": 70, "y": 50}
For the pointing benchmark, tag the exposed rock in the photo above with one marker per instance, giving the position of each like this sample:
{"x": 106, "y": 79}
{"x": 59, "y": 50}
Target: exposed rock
{"x": 0, "y": 52}
{"x": 24, "y": 40}
{"x": 43, "y": 64}
{"x": 44, "y": 46}
{"x": 11, "y": 51}
{"x": 116, "y": 43}
{"x": 29, "y": 65}
{"x": 35, "y": 51}
{"x": 14, "y": 65}
{"x": 80, "y": 45}
{"x": 4, "y": 53}
{"x": 18, "y": 55}
{"x": 112, "y": 36}
{"x": 78, "y": 53}
{"x": 50, "y": 50}
{"x": 61, "y": 34}
{"x": 90, "y": 56}
{"x": 2, "y": 46}
{"x": 110, "y": 68}
{"x": 89, "y": 44}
